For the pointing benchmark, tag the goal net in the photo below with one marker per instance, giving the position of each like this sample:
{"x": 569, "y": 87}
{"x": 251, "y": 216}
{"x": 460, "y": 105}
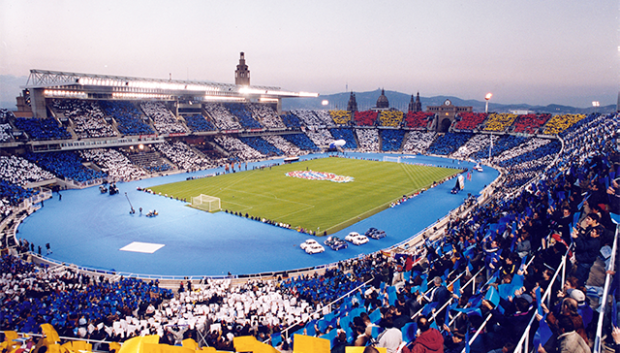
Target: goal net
{"x": 391, "y": 159}
{"x": 207, "y": 203}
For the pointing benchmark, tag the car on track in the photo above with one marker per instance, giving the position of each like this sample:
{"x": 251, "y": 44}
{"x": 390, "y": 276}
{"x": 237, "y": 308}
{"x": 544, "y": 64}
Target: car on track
{"x": 336, "y": 243}
{"x": 375, "y": 233}
{"x": 356, "y": 238}
{"x": 311, "y": 246}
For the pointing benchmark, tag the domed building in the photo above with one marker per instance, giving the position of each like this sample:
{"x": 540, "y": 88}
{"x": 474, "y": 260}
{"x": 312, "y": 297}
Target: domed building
{"x": 382, "y": 101}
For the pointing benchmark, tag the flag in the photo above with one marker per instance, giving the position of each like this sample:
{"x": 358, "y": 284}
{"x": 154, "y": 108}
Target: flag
{"x": 539, "y": 302}
{"x": 543, "y": 333}
{"x": 456, "y": 287}
{"x": 467, "y": 347}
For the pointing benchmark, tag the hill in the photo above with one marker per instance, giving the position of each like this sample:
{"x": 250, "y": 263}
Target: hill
{"x": 400, "y": 101}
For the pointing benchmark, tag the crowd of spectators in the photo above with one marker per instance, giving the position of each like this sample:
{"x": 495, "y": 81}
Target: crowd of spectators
{"x": 288, "y": 148}
{"x": 67, "y": 165}
{"x": 262, "y": 146}
{"x": 164, "y": 121}
{"x": 448, "y": 143}
{"x": 368, "y": 140}
{"x": 184, "y": 156}
{"x": 418, "y": 120}
{"x": 501, "y": 144}
{"x": 391, "y": 118}
{"x": 130, "y": 121}
{"x": 5, "y": 132}
{"x": 478, "y": 143}
{"x": 148, "y": 159}
{"x": 499, "y": 122}
{"x": 239, "y": 151}
{"x": 365, "y": 118}
{"x": 20, "y": 171}
{"x": 266, "y": 115}
{"x": 302, "y": 141}
{"x": 88, "y": 118}
{"x": 470, "y": 121}
{"x": 221, "y": 117}
{"x": 313, "y": 117}
{"x": 340, "y": 117}
{"x": 418, "y": 142}
{"x": 320, "y": 137}
{"x": 345, "y": 134}
{"x": 291, "y": 120}
{"x": 42, "y": 129}
{"x": 530, "y": 123}
{"x": 391, "y": 140}
{"x": 198, "y": 123}
{"x": 114, "y": 164}
{"x": 243, "y": 115}
{"x": 558, "y": 123}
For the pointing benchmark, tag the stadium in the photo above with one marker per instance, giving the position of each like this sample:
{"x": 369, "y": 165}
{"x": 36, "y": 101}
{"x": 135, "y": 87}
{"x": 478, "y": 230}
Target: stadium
{"x": 167, "y": 215}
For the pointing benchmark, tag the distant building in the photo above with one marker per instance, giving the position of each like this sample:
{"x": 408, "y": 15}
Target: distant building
{"x": 352, "y": 105}
{"x": 417, "y": 105}
{"x": 618, "y": 104}
{"x": 382, "y": 101}
{"x": 445, "y": 115}
{"x": 242, "y": 74}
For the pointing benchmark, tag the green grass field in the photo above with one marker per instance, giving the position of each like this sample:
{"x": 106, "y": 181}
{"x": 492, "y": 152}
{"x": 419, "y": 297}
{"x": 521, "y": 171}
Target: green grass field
{"x": 319, "y": 205}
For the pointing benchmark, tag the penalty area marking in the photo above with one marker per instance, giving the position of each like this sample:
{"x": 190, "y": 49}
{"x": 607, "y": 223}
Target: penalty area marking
{"x": 147, "y": 248}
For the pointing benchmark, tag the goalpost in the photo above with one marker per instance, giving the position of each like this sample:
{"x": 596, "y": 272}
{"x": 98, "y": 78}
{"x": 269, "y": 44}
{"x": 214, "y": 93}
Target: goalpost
{"x": 207, "y": 203}
{"x": 391, "y": 159}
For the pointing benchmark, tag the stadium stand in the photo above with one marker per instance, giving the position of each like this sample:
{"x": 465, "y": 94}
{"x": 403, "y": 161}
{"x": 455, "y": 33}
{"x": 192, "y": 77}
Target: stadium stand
{"x": 302, "y": 141}
{"x": 368, "y": 140}
{"x": 198, "y": 123}
{"x": 470, "y": 121}
{"x": 148, "y": 160}
{"x": 320, "y": 137}
{"x": 240, "y": 150}
{"x": 43, "y": 129}
{"x": 390, "y": 118}
{"x": 288, "y": 148}
{"x": 448, "y": 143}
{"x": 243, "y": 115}
{"x": 418, "y": 142}
{"x": 221, "y": 117}
{"x": 88, "y": 119}
{"x": 262, "y": 146}
{"x": 340, "y": 117}
{"x": 183, "y": 156}
{"x": 417, "y": 120}
{"x": 530, "y": 123}
{"x": 391, "y": 140}
{"x": 20, "y": 171}
{"x": 67, "y": 165}
{"x": 345, "y": 134}
{"x": 114, "y": 164}
{"x": 499, "y": 122}
{"x": 163, "y": 119}
{"x": 365, "y": 118}
{"x": 291, "y": 120}
{"x": 266, "y": 116}
{"x": 128, "y": 118}
{"x": 558, "y": 123}
{"x": 478, "y": 143}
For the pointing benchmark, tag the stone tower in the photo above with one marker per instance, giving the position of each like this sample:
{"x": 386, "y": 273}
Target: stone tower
{"x": 415, "y": 106}
{"x": 242, "y": 74}
{"x": 352, "y": 105}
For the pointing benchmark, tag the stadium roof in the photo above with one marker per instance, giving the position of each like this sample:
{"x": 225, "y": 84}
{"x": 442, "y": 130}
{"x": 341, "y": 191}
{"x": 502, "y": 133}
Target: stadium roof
{"x": 78, "y": 85}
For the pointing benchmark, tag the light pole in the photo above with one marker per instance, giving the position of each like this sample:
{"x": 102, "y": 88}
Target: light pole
{"x": 596, "y": 104}
{"x": 487, "y": 97}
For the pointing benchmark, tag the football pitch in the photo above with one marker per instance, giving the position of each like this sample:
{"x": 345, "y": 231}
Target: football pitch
{"x": 313, "y": 204}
